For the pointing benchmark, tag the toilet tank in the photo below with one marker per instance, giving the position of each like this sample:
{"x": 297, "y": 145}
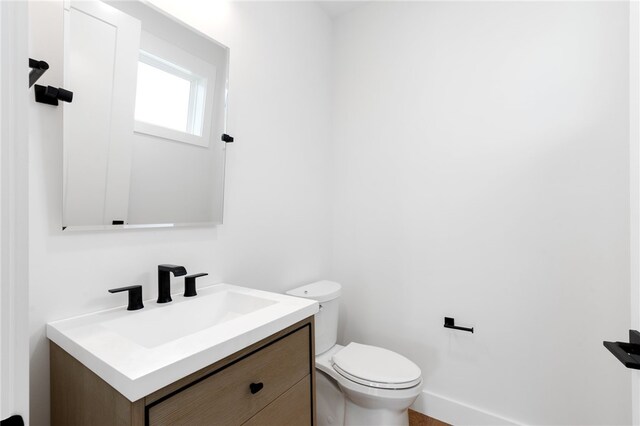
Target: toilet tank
{"x": 327, "y": 294}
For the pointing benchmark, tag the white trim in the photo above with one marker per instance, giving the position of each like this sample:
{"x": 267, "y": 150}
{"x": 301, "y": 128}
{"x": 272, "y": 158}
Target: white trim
{"x": 14, "y": 151}
{"x": 3, "y": 391}
{"x": 634, "y": 191}
{"x": 455, "y": 412}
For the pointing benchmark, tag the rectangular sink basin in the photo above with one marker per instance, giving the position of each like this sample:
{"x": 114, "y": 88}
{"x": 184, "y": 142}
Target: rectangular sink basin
{"x": 139, "y": 352}
{"x": 159, "y": 326}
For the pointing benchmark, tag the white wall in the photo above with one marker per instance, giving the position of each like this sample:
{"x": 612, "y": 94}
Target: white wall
{"x": 276, "y": 198}
{"x": 482, "y": 172}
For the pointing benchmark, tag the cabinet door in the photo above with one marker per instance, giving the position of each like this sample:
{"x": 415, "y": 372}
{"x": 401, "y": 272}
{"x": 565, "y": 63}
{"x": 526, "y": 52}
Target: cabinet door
{"x": 227, "y": 397}
{"x": 292, "y": 408}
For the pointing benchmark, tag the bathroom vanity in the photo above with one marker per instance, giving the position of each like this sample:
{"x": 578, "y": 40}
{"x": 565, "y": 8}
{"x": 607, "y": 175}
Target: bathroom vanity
{"x": 100, "y": 377}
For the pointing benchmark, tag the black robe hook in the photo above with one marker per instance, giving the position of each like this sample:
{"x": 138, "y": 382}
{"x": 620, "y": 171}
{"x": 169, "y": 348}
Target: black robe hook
{"x": 46, "y": 94}
{"x": 37, "y": 69}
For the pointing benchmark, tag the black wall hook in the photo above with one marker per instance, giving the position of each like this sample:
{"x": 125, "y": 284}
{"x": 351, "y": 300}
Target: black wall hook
{"x": 46, "y": 94}
{"x": 37, "y": 69}
{"x": 50, "y": 95}
{"x": 451, "y": 323}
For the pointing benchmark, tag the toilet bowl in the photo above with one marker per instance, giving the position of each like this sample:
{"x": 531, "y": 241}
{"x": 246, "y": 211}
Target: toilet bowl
{"x": 357, "y": 384}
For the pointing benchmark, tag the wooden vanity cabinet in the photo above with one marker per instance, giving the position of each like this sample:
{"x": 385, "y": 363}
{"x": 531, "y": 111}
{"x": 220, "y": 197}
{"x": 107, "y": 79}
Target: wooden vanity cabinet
{"x": 271, "y": 382}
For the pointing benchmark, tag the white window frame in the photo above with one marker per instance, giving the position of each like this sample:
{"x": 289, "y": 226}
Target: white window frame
{"x": 198, "y": 85}
{"x": 202, "y": 75}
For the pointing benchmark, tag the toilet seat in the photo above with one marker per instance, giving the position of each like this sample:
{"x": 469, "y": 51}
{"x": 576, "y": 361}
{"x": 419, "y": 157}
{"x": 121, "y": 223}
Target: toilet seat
{"x": 376, "y": 367}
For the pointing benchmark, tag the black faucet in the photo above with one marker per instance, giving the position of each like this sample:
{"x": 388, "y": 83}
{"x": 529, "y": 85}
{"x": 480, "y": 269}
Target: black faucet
{"x": 164, "y": 280}
{"x": 135, "y": 296}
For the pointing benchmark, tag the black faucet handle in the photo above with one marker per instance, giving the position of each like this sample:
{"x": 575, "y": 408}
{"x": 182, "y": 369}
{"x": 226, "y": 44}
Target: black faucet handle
{"x": 135, "y": 296}
{"x": 190, "y": 284}
{"x": 177, "y": 270}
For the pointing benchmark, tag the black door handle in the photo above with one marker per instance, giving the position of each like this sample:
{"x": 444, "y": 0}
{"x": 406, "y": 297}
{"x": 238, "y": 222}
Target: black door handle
{"x": 12, "y": 421}
{"x": 627, "y": 353}
{"x": 256, "y": 387}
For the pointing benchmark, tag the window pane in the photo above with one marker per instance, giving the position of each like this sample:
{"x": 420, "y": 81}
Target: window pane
{"x": 162, "y": 98}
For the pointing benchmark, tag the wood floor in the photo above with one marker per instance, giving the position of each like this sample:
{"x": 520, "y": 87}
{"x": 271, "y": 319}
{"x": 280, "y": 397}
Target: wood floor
{"x": 419, "y": 419}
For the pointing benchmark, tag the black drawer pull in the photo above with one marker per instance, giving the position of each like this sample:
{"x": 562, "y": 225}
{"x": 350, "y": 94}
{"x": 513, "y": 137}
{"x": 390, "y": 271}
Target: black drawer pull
{"x": 256, "y": 387}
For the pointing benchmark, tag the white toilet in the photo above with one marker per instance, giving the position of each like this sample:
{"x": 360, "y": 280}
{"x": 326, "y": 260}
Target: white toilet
{"x": 357, "y": 384}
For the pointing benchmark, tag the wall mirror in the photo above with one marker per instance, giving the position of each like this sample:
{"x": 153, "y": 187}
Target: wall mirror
{"x": 142, "y": 137}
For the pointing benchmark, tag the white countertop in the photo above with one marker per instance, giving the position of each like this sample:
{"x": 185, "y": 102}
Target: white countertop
{"x": 111, "y": 344}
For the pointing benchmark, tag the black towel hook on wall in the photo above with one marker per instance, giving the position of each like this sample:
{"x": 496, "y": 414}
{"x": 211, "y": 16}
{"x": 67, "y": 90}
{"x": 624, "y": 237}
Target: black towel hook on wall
{"x": 46, "y": 94}
{"x": 37, "y": 69}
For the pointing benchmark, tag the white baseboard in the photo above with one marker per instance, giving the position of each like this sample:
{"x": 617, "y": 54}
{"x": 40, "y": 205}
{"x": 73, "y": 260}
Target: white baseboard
{"x": 456, "y": 413}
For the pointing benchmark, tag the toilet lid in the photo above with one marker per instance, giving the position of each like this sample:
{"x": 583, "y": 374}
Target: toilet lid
{"x": 376, "y": 367}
